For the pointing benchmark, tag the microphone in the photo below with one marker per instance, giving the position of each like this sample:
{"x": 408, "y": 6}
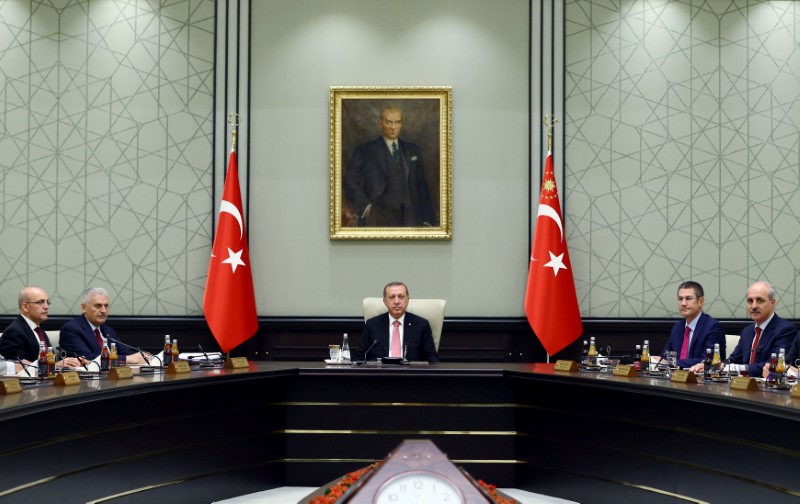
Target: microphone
{"x": 25, "y": 367}
{"x": 139, "y": 351}
{"x": 65, "y": 353}
{"x": 208, "y": 362}
{"x": 374, "y": 342}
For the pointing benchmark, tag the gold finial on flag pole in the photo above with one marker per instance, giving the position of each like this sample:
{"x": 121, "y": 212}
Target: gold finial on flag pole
{"x": 550, "y": 126}
{"x": 234, "y": 120}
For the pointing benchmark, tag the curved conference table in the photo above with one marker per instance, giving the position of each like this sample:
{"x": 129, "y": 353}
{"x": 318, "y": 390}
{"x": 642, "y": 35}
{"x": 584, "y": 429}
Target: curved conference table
{"x": 213, "y": 434}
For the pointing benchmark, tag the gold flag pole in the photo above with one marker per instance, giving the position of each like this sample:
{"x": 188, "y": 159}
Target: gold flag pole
{"x": 553, "y": 120}
{"x": 234, "y": 120}
{"x": 550, "y": 126}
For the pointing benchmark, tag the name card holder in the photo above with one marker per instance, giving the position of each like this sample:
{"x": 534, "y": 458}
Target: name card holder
{"x": 236, "y": 363}
{"x": 795, "y": 391}
{"x": 744, "y": 383}
{"x": 66, "y": 378}
{"x": 178, "y": 367}
{"x": 625, "y": 370}
{"x": 120, "y": 373}
{"x": 683, "y": 376}
{"x": 10, "y": 386}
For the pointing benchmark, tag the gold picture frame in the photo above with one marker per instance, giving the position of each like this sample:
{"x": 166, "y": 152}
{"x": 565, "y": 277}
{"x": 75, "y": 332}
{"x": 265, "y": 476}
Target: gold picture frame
{"x": 368, "y": 201}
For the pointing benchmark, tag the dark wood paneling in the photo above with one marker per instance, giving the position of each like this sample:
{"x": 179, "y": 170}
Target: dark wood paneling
{"x": 476, "y": 339}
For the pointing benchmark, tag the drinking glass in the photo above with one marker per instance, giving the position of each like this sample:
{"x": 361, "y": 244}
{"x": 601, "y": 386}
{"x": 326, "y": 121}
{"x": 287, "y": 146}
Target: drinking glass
{"x": 335, "y": 351}
{"x": 672, "y": 358}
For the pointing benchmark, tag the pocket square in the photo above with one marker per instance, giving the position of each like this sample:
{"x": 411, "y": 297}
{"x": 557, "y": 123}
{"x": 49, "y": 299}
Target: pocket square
{"x": 413, "y": 158}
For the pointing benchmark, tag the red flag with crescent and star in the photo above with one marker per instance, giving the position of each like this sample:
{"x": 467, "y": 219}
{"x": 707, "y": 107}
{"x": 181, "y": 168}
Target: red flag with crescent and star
{"x": 551, "y": 304}
{"x": 229, "y": 303}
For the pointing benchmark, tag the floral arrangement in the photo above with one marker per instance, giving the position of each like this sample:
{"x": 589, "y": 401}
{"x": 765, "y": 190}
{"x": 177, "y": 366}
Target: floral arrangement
{"x": 492, "y": 491}
{"x": 334, "y": 493}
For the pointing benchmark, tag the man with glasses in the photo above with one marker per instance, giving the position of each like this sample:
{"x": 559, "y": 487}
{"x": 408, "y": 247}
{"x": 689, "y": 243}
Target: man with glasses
{"x": 20, "y": 340}
{"x": 85, "y": 334}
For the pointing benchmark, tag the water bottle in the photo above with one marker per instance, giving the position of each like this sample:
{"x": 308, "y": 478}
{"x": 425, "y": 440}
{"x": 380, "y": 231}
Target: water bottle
{"x": 345, "y": 350}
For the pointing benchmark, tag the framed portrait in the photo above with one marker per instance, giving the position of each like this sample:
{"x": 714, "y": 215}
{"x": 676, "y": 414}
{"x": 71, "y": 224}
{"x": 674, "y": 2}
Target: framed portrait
{"x": 390, "y": 163}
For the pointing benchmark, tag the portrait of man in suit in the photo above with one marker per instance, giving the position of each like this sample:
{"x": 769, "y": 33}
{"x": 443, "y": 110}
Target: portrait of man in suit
{"x": 390, "y": 180}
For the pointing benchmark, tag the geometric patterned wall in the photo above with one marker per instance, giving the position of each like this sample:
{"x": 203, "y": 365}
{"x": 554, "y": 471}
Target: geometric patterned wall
{"x": 106, "y": 146}
{"x": 682, "y": 153}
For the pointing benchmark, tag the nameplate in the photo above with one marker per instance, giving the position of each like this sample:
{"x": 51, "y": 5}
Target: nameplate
{"x": 236, "y": 363}
{"x": 796, "y": 391}
{"x": 566, "y": 366}
{"x": 179, "y": 367}
{"x": 683, "y": 376}
{"x": 744, "y": 383}
{"x": 10, "y": 386}
{"x": 625, "y": 370}
{"x": 120, "y": 373}
{"x": 67, "y": 378}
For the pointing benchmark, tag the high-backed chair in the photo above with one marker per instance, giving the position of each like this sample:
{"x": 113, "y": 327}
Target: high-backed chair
{"x": 430, "y": 309}
{"x": 55, "y": 339}
{"x": 731, "y": 340}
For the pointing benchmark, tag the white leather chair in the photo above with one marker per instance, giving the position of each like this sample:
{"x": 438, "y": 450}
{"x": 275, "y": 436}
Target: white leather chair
{"x": 731, "y": 340}
{"x": 430, "y": 309}
{"x": 55, "y": 339}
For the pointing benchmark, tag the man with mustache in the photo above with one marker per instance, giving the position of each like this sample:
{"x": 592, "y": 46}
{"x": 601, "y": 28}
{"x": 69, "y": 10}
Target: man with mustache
{"x": 393, "y": 333}
{"x": 768, "y": 335}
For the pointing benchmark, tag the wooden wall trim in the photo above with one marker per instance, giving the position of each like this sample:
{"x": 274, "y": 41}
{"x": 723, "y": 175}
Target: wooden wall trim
{"x": 464, "y": 339}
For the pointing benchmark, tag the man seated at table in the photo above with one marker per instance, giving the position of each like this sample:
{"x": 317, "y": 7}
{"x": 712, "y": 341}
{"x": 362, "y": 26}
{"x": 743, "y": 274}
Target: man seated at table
{"x": 768, "y": 335}
{"x": 84, "y": 335}
{"x": 20, "y": 340}
{"x": 388, "y": 334}
{"x": 697, "y": 331}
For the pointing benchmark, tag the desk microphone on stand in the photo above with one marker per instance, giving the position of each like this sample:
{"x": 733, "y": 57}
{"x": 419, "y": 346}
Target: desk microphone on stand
{"x": 374, "y": 342}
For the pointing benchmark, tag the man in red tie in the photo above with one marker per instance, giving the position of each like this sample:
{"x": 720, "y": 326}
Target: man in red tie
{"x": 20, "y": 340}
{"x": 84, "y": 335}
{"x": 769, "y": 334}
{"x": 697, "y": 331}
{"x": 397, "y": 333}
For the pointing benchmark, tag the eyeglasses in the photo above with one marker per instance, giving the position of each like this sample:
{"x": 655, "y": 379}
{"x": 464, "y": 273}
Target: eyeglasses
{"x": 40, "y": 302}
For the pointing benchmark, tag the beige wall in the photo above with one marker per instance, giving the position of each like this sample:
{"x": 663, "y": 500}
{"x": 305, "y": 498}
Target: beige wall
{"x": 302, "y": 48}
{"x": 677, "y": 154}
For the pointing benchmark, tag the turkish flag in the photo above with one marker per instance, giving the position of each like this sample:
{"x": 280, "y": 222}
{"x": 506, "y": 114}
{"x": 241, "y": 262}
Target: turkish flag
{"x": 550, "y": 300}
{"x": 229, "y": 303}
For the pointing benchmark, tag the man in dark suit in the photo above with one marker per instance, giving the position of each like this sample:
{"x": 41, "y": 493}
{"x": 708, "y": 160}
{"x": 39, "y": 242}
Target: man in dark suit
{"x": 768, "y": 335}
{"x": 21, "y": 339}
{"x": 84, "y": 335}
{"x": 385, "y": 181}
{"x": 697, "y": 331}
{"x": 388, "y": 334}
